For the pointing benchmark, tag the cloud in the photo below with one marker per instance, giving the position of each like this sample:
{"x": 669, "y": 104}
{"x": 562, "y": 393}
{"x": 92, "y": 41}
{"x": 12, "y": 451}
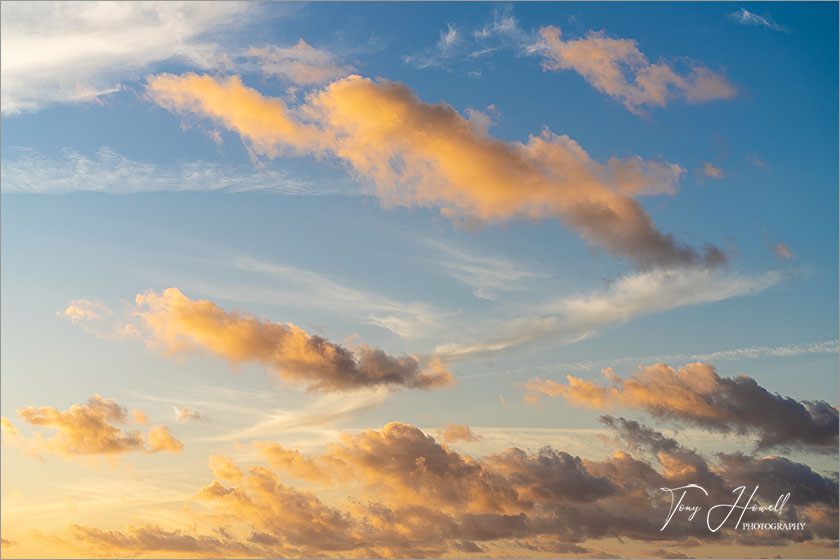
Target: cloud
{"x": 744, "y": 353}
{"x": 695, "y": 394}
{"x": 420, "y": 471}
{"x": 745, "y": 17}
{"x": 573, "y": 318}
{"x": 403, "y": 318}
{"x": 712, "y": 171}
{"x": 452, "y": 433}
{"x": 139, "y": 416}
{"x": 653, "y": 291}
{"x": 177, "y": 325}
{"x": 618, "y": 68}
{"x": 151, "y": 538}
{"x": 81, "y": 310}
{"x": 470, "y": 50}
{"x": 107, "y": 171}
{"x": 161, "y": 439}
{"x": 300, "y": 64}
{"x": 486, "y": 275}
{"x": 442, "y": 51}
{"x": 782, "y": 251}
{"x": 86, "y": 429}
{"x": 412, "y": 496}
{"x": 429, "y": 155}
{"x": 183, "y": 413}
{"x": 328, "y": 410}
{"x": 54, "y": 52}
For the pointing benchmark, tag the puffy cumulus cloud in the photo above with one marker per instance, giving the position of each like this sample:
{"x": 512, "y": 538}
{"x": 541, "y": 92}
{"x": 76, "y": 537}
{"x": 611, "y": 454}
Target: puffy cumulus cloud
{"x": 403, "y": 464}
{"x": 774, "y": 475}
{"x": 618, "y": 68}
{"x": 424, "y": 154}
{"x": 55, "y": 52}
{"x": 87, "y": 429}
{"x": 282, "y": 515}
{"x": 457, "y": 432}
{"x": 421, "y": 499}
{"x": 779, "y": 475}
{"x": 300, "y": 64}
{"x": 695, "y": 394}
{"x": 178, "y": 324}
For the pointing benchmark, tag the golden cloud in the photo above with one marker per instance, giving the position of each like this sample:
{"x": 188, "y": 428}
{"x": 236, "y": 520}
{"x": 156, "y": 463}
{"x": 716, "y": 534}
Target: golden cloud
{"x": 426, "y": 154}
{"x": 178, "y": 324}
{"x": 86, "y": 429}
{"x": 607, "y": 63}
{"x": 510, "y": 503}
{"x": 695, "y": 394}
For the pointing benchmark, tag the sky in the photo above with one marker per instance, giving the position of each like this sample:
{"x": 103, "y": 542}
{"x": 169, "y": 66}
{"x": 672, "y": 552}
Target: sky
{"x": 418, "y": 279}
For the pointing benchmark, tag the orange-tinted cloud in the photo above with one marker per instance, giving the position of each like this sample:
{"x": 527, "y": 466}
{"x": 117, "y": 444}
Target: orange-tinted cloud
{"x": 783, "y": 251}
{"x": 425, "y": 154}
{"x": 618, "y": 68}
{"x": 511, "y": 503}
{"x": 178, "y": 324}
{"x": 400, "y": 463}
{"x": 86, "y": 429}
{"x": 151, "y": 539}
{"x": 695, "y": 394}
{"x": 457, "y": 432}
{"x": 161, "y": 439}
{"x": 81, "y": 310}
{"x": 139, "y": 416}
{"x": 712, "y": 171}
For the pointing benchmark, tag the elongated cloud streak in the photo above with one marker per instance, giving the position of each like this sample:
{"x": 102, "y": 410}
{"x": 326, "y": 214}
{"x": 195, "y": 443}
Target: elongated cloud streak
{"x": 695, "y": 394}
{"x": 618, "y": 68}
{"x": 87, "y": 429}
{"x": 178, "y": 324}
{"x": 572, "y": 318}
{"x": 425, "y": 154}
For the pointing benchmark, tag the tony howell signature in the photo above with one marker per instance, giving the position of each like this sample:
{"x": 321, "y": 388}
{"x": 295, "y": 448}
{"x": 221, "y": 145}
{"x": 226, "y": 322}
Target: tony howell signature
{"x": 727, "y": 509}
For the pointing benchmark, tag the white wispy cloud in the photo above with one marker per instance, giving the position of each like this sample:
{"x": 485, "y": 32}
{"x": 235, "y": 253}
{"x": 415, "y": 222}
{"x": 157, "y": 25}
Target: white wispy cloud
{"x": 326, "y": 412}
{"x": 295, "y": 286}
{"x": 464, "y": 46}
{"x": 300, "y": 64}
{"x": 27, "y": 170}
{"x": 573, "y": 318}
{"x": 486, "y": 275}
{"x": 55, "y": 52}
{"x": 732, "y": 354}
{"x": 745, "y": 17}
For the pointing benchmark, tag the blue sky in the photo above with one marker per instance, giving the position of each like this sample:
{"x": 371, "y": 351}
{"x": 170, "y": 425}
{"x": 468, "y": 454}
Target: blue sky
{"x": 181, "y": 201}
